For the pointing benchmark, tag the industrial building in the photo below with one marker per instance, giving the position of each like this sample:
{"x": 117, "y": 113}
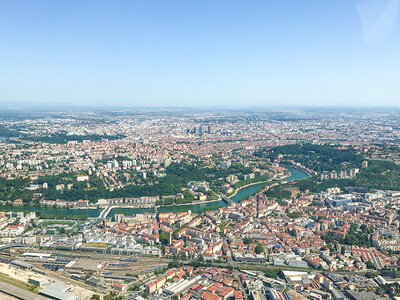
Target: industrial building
{"x": 22, "y": 264}
{"x": 57, "y": 291}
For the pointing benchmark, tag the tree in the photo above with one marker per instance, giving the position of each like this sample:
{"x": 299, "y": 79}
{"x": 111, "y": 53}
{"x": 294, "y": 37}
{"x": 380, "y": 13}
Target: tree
{"x": 259, "y": 248}
{"x": 112, "y": 296}
{"x": 272, "y": 273}
{"x": 370, "y": 265}
{"x": 278, "y": 192}
{"x": 135, "y": 287}
{"x": 294, "y": 214}
{"x": 164, "y": 238}
{"x": 247, "y": 240}
{"x": 174, "y": 264}
{"x": 95, "y": 297}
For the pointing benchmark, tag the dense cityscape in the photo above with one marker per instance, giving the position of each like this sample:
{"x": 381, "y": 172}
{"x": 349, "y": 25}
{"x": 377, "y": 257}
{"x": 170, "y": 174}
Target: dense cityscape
{"x": 276, "y": 204}
{"x": 200, "y": 150}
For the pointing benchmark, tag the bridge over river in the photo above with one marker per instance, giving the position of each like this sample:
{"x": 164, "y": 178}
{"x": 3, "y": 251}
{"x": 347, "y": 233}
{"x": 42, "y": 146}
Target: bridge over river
{"x": 104, "y": 213}
{"x": 227, "y": 199}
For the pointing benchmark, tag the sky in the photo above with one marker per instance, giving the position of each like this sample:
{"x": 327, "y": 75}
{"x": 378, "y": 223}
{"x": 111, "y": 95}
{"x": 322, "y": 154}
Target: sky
{"x": 200, "y": 53}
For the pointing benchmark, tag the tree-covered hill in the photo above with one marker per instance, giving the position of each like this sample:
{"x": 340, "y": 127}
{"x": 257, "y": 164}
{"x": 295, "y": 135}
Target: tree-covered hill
{"x": 316, "y": 157}
{"x": 381, "y": 175}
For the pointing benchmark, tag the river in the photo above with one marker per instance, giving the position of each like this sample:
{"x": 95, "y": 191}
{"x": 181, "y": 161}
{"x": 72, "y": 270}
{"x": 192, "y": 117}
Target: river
{"x": 296, "y": 174}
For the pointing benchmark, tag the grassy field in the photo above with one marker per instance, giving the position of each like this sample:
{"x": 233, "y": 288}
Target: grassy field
{"x": 20, "y": 284}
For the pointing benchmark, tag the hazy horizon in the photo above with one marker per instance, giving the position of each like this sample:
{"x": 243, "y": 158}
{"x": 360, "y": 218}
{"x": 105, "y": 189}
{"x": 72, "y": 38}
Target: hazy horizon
{"x": 200, "y": 54}
{"x": 272, "y": 107}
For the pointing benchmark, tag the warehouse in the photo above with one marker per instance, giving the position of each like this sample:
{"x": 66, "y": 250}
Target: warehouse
{"x": 57, "y": 291}
{"x": 36, "y": 281}
{"x": 22, "y": 264}
{"x": 37, "y": 255}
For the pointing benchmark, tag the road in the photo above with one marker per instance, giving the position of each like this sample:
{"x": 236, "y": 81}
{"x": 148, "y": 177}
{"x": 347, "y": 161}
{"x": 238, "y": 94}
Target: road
{"x": 242, "y": 288}
{"x": 19, "y": 293}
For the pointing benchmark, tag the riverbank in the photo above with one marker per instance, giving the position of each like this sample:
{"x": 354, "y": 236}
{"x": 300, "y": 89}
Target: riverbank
{"x": 303, "y": 169}
{"x": 288, "y": 175}
{"x": 65, "y": 213}
{"x": 190, "y": 203}
{"x": 247, "y": 185}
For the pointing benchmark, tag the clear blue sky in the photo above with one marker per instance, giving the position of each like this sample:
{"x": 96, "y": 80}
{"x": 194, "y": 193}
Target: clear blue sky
{"x": 201, "y": 53}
